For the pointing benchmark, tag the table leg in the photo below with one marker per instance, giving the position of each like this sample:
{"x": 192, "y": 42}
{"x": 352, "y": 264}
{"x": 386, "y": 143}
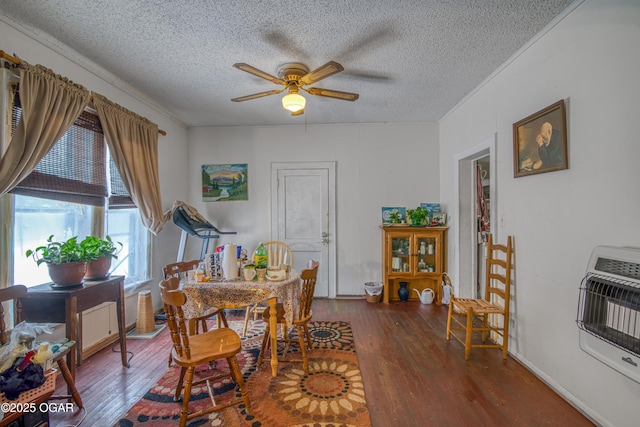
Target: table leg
{"x": 273, "y": 325}
{"x": 121, "y": 326}
{"x": 71, "y": 308}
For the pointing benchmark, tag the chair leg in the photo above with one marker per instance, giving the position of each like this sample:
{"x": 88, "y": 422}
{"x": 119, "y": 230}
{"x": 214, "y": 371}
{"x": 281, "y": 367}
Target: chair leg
{"x": 236, "y": 374}
{"x": 485, "y": 325}
{"x": 449, "y": 317}
{"x": 265, "y": 340}
{"x": 71, "y": 385}
{"x": 469, "y": 334}
{"x": 246, "y": 321}
{"x": 176, "y": 397}
{"x": 505, "y": 337}
{"x": 306, "y": 331}
{"x": 187, "y": 395}
{"x": 303, "y": 349}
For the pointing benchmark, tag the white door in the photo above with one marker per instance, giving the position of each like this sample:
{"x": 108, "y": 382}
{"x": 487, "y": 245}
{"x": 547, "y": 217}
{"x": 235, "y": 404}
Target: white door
{"x": 303, "y": 216}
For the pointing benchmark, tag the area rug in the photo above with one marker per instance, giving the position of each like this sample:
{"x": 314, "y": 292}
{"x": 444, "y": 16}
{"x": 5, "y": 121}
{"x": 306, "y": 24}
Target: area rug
{"x": 332, "y": 394}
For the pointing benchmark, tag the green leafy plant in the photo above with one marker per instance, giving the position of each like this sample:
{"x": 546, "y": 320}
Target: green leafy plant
{"x": 394, "y": 217}
{"x": 419, "y": 216}
{"x": 95, "y": 247}
{"x": 55, "y": 252}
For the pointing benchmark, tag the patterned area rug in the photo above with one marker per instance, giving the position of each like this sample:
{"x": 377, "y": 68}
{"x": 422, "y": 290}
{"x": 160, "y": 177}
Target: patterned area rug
{"x": 331, "y": 395}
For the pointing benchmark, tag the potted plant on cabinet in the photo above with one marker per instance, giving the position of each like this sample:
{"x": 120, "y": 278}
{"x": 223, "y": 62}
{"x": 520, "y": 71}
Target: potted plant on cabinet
{"x": 418, "y": 216}
{"x": 66, "y": 261}
{"x": 99, "y": 253}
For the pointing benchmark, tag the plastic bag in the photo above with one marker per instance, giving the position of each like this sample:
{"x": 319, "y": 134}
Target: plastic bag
{"x": 373, "y": 288}
{"x": 17, "y": 371}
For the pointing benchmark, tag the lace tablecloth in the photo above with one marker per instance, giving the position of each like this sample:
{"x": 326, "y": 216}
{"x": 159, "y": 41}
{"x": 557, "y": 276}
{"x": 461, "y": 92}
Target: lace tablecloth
{"x": 203, "y": 295}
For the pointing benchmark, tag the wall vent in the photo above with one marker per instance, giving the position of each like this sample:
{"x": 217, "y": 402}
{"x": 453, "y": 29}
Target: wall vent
{"x": 609, "y": 309}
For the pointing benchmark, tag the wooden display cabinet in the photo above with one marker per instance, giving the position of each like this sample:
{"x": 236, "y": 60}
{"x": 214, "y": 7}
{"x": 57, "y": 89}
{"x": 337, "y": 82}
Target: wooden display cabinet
{"x": 416, "y": 255}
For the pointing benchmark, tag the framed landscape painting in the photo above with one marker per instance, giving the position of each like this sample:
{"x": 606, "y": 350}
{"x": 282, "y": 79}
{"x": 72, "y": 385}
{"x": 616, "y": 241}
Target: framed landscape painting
{"x": 540, "y": 142}
{"x": 221, "y": 183}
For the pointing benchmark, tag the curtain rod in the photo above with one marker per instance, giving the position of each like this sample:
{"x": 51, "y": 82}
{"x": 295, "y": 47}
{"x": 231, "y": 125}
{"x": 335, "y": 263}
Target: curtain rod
{"x": 16, "y": 61}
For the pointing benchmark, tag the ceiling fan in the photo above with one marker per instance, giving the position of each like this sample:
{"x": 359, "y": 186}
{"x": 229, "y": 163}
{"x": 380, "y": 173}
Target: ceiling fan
{"x": 294, "y": 77}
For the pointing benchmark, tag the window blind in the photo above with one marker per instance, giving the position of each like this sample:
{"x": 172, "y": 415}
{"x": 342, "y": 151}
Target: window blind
{"x": 75, "y": 170}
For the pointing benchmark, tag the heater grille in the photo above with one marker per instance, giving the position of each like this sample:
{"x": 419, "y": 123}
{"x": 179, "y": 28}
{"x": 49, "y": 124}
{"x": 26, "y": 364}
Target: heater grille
{"x": 609, "y": 309}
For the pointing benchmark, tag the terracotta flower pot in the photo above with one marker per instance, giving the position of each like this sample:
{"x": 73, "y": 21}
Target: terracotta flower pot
{"x": 98, "y": 268}
{"x": 67, "y": 274}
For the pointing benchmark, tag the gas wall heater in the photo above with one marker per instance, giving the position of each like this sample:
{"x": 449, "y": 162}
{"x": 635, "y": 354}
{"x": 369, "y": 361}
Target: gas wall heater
{"x": 609, "y": 309}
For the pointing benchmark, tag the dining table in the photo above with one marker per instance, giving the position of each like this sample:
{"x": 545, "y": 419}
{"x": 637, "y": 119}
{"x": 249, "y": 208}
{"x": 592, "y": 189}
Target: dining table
{"x": 202, "y": 296}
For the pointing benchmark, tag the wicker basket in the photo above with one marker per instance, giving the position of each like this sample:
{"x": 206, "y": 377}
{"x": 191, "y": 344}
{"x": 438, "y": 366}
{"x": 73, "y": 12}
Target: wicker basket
{"x": 372, "y": 298}
{"x": 145, "y": 320}
{"x": 32, "y": 395}
{"x": 373, "y": 291}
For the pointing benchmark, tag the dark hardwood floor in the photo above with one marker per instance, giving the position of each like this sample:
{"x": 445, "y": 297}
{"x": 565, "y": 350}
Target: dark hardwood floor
{"x": 412, "y": 375}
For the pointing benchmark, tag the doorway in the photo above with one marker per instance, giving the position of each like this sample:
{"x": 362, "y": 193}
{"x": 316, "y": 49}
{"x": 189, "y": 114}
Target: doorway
{"x": 469, "y": 247}
{"x": 303, "y": 217}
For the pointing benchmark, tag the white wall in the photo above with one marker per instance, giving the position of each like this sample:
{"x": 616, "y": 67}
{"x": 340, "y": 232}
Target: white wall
{"x": 377, "y": 165}
{"x": 172, "y": 147}
{"x": 591, "y": 59}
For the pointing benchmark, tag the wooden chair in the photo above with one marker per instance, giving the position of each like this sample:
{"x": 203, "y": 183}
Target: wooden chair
{"x": 278, "y": 253}
{"x": 308, "y": 277}
{"x": 179, "y": 270}
{"x": 190, "y": 351}
{"x": 492, "y": 311}
{"x": 62, "y": 347}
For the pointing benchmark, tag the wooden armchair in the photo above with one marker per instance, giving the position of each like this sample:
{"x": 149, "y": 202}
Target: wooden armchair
{"x": 488, "y": 315}
{"x": 308, "y": 277}
{"x": 61, "y": 347}
{"x": 179, "y": 270}
{"x": 189, "y": 351}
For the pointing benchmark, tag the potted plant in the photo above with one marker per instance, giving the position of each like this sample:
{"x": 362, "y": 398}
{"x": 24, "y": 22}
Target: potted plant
{"x": 66, "y": 261}
{"x": 418, "y": 216}
{"x": 99, "y": 253}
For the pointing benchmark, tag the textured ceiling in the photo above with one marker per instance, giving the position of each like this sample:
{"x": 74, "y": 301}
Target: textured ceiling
{"x": 410, "y": 61}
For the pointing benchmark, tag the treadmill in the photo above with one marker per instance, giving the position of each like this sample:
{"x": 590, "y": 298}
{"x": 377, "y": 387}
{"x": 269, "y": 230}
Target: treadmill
{"x": 194, "y": 227}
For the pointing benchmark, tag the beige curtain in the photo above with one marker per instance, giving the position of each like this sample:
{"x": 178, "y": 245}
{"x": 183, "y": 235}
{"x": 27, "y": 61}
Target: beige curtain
{"x": 50, "y": 105}
{"x": 133, "y": 141}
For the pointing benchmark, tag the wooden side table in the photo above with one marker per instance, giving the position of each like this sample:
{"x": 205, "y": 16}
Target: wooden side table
{"x": 44, "y": 304}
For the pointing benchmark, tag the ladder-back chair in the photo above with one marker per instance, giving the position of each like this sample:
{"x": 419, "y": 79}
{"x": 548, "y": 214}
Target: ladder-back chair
{"x": 189, "y": 351}
{"x": 488, "y": 315}
{"x": 301, "y": 323}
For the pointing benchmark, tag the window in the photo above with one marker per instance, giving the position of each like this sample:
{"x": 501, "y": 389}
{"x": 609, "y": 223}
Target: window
{"x": 76, "y": 191}
{"x": 35, "y": 219}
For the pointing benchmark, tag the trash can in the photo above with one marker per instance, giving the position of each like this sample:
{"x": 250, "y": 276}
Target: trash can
{"x": 373, "y": 291}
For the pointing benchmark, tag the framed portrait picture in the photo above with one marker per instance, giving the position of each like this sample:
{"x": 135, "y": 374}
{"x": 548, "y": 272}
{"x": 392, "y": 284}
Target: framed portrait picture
{"x": 221, "y": 183}
{"x": 540, "y": 142}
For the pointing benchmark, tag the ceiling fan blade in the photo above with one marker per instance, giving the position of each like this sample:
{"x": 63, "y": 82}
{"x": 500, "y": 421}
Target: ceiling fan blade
{"x": 253, "y": 70}
{"x": 328, "y": 69}
{"x": 257, "y": 95}
{"x": 345, "y": 96}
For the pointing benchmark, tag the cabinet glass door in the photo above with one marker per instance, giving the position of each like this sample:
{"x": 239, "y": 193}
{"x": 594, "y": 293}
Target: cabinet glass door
{"x": 400, "y": 258}
{"x": 426, "y": 254}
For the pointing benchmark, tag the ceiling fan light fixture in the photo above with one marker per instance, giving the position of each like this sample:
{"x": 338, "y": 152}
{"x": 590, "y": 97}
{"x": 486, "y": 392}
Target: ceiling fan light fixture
{"x": 293, "y": 102}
